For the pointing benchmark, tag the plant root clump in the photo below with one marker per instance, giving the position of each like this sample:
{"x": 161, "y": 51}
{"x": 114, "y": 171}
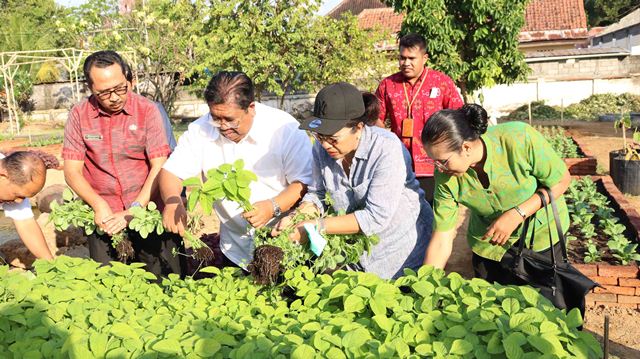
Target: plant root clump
{"x": 266, "y": 265}
{"x": 124, "y": 250}
{"x": 203, "y": 254}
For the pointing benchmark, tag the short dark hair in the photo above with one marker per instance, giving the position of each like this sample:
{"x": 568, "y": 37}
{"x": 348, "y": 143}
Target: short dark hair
{"x": 128, "y": 73}
{"x": 371, "y": 111}
{"x": 453, "y": 127}
{"x": 102, "y": 59}
{"x": 230, "y": 87}
{"x": 23, "y": 167}
{"x": 413, "y": 40}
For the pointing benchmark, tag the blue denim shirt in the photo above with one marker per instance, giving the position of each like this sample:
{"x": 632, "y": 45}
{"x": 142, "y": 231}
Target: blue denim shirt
{"x": 385, "y": 197}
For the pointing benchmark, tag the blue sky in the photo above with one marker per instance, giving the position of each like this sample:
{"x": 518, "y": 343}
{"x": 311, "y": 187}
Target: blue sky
{"x": 326, "y": 4}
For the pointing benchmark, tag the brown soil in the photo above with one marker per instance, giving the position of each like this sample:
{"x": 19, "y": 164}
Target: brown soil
{"x": 624, "y": 329}
{"x": 266, "y": 264}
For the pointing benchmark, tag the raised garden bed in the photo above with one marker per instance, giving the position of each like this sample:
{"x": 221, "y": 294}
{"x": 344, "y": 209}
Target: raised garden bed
{"x": 620, "y": 282}
{"x": 578, "y": 159}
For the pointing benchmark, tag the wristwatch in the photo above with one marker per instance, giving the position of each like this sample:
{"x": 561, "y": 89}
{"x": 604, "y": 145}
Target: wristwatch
{"x": 135, "y": 204}
{"x": 276, "y": 208}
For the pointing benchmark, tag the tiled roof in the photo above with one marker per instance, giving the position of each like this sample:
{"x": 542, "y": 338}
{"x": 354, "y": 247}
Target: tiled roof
{"x": 632, "y": 19}
{"x": 586, "y": 52}
{"x": 384, "y": 18}
{"x": 543, "y": 15}
{"x": 355, "y": 7}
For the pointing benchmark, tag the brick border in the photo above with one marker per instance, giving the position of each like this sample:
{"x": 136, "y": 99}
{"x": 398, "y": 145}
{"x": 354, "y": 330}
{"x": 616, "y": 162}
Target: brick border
{"x": 582, "y": 166}
{"x": 620, "y": 283}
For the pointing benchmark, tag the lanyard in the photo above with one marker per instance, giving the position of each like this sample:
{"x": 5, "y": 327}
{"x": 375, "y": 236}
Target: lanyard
{"x": 415, "y": 95}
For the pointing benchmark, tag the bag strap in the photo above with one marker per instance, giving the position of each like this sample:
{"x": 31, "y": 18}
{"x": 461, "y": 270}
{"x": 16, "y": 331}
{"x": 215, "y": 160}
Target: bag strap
{"x": 546, "y": 209}
{"x": 523, "y": 236}
{"x": 556, "y": 217}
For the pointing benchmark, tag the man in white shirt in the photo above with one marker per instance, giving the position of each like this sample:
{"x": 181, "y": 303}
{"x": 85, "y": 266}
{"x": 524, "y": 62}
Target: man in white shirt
{"x": 22, "y": 175}
{"x": 267, "y": 139}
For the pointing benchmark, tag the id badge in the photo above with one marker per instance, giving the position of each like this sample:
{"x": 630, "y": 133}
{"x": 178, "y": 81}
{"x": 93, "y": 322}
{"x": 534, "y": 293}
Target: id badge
{"x": 435, "y": 92}
{"x": 407, "y": 127}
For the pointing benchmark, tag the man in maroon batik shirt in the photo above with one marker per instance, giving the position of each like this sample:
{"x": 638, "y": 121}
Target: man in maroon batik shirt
{"x": 409, "y": 97}
{"x": 114, "y": 147}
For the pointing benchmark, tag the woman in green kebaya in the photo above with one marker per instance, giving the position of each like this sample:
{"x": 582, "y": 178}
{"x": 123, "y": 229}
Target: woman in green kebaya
{"x": 495, "y": 173}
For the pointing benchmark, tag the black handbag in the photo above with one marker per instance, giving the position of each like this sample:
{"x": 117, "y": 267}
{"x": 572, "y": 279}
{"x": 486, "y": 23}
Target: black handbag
{"x": 557, "y": 280}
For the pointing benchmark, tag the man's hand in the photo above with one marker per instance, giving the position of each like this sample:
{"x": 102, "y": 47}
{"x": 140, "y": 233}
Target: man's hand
{"x": 101, "y": 211}
{"x": 116, "y": 222}
{"x": 174, "y": 218}
{"x": 501, "y": 229}
{"x": 261, "y": 213}
{"x": 283, "y": 224}
{"x": 299, "y": 234}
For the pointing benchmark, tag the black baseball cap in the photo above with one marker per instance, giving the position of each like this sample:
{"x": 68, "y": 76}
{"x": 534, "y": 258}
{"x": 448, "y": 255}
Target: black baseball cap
{"x": 335, "y": 106}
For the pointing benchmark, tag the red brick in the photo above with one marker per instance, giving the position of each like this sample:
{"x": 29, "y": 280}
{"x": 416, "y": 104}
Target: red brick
{"x": 602, "y": 297}
{"x": 630, "y": 271}
{"x": 616, "y": 290}
{"x": 629, "y": 282}
{"x": 618, "y": 305}
{"x": 628, "y": 299}
{"x": 605, "y": 280}
{"x": 590, "y": 270}
{"x": 637, "y": 291}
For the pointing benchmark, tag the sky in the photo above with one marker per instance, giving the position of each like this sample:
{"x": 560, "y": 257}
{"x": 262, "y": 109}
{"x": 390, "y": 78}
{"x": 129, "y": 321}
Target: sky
{"x": 326, "y": 4}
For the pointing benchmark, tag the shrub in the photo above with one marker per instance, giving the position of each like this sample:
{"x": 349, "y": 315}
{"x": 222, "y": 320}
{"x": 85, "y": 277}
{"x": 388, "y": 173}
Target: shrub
{"x": 590, "y": 108}
{"x": 539, "y": 111}
{"x": 76, "y": 308}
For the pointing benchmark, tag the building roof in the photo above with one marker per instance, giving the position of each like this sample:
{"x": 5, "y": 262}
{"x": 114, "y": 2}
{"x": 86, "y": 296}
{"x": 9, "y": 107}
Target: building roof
{"x": 355, "y": 7}
{"x": 545, "y": 19}
{"x": 577, "y": 53}
{"x": 632, "y": 19}
{"x": 543, "y": 15}
{"x": 385, "y": 18}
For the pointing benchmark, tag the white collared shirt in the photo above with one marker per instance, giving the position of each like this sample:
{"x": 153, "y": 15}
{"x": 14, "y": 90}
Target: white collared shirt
{"x": 275, "y": 149}
{"x": 17, "y": 211}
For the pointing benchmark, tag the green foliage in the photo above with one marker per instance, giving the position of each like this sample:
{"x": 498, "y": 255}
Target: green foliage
{"x": 592, "y": 254}
{"x": 560, "y": 141}
{"x": 46, "y": 141}
{"x": 76, "y": 308}
{"x": 146, "y": 220}
{"x": 73, "y": 212}
{"x": 590, "y": 108}
{"x": 28, "y": 25}
{"x": 282, "y": 45}
{"x": 603, "y": 13}
{"x": 228, "y": 182}
{"x": 340, "y": 250}
{"x": 475, "y": 42}
{"x": 590, "y": 212}
{"x": 539, "y": 111}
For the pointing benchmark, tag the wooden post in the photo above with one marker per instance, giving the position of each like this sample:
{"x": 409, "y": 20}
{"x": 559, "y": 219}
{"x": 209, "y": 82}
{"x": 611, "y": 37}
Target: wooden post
{"x": 606, "y": 336}
{"x": 530, "y": 119}
{"x": 562, "y": 110}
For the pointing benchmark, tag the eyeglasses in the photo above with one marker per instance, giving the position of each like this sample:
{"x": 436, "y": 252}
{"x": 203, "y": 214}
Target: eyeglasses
{"x": 442, "y": 165}
{"x": 106, "y": 94}
{"x": 228, "y": 124}
{"x": 332, "y": 140}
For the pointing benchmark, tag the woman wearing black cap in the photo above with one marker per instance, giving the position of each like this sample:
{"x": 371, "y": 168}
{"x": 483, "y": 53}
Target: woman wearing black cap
{"x": 367, "y": 173}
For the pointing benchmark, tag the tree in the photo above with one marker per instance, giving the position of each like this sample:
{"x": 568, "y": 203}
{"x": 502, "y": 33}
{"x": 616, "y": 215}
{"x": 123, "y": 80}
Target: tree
{"x": 282, "y": 45}
{"x": 475, "y": 42}
{"x": 603, "y": 13}
{"x": 161, "y": 34}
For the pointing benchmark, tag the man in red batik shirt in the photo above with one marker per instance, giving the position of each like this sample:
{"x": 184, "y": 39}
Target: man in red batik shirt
{"x": 409, "y": 97}
{"x": 114, "y": 147}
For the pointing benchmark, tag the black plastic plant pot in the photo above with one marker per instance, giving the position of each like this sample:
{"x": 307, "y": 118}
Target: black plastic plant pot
{"x": 609, "y": 117}
{"x": 625, "y": 174}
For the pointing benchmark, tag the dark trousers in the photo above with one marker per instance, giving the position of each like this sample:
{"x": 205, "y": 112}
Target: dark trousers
{"x": 428, "y": 185}
{"x": 493, "y": 271}
{"x": 156, "y": 251}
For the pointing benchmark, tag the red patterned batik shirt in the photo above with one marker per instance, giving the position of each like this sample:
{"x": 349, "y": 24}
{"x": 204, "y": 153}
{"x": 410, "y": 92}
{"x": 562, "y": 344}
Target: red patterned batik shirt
{"x": 116, "y": 149}
{"x": 436, "y": 93}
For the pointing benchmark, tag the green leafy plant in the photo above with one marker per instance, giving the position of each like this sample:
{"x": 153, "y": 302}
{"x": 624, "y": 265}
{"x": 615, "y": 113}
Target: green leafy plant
{"x": 228, "y": 182}
{"x": 75, "y": 212}
{"x": 146, "y": 220}
{"x": 561, "y": 143}
{"x": 590, "y": 108}
{"x": 53, "y": 140}
{"x": 274, "y": 255}
{"x": 76, "y": 308}
{"x": 592, "y": 254}
{"x": 539, "y": 111}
